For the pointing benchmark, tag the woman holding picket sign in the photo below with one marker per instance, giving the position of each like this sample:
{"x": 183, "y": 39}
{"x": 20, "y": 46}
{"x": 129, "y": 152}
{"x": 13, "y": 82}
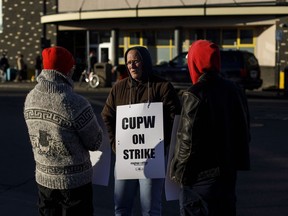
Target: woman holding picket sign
{"x": 137, "y": 111}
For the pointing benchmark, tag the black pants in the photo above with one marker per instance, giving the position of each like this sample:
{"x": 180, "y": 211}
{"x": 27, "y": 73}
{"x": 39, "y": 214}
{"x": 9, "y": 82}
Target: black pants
{"x": 70, "y": 202}
{"x": 213, "y": 197}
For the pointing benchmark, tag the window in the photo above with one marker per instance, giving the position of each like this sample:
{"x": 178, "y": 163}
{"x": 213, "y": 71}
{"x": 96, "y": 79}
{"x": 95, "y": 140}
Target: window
{"x": 196, "y": 34}
{"x": 105, "y": 37}
{"x": 79, "y": 36}
{"x": 229, "y": 37}
{"x": 163, "y": 38}
{"x": 164, "y": 46}
{"x": 135, "y": 38}
{"x": 121, "y": 49}
{"x": 148, "y": 38}
{"x": 246, "y": 36}
{"x": 213, "y": 35}
{"x": 121, "y": 39}
{"x": 94, "y": 37}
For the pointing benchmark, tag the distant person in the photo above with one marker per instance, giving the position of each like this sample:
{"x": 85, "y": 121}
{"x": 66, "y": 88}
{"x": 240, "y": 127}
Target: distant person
{"x": 93, "y": 60}
{"x": 4, "y": 63}
{"x": 213, "y": 137}
{"x": 141, "y": 86}
{"x": 63, "y": 129}
{"x": 21, "y": 68}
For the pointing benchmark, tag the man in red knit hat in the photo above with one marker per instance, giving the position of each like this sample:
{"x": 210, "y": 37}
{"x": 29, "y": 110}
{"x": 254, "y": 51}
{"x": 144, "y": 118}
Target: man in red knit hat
{"x": 62, "y": 128}
{"x": 59, "y": 59}
{"x": 212, "y": 138}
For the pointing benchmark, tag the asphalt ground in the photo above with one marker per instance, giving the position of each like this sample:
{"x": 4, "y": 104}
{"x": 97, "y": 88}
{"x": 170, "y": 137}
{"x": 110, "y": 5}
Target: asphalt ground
{"x": 272, "y": 93}
{"x": 24, "y": 194}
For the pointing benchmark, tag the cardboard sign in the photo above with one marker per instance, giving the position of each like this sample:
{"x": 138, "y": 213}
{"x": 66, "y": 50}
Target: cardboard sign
{"x": 101, "y": 159}
{"x": 140, "y": 141}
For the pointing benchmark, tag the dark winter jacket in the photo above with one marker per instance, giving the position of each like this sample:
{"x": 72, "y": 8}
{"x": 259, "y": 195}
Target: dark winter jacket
{"x": 213, "y": 135}
{"x": 150, "y": 89}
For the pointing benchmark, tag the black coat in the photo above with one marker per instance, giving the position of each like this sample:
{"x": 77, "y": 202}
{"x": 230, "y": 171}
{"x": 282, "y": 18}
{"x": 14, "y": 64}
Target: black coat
{"x": 213, "y": 135}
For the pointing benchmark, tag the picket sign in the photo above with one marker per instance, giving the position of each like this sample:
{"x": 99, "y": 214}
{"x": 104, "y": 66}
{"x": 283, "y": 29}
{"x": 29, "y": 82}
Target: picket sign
{"x": 101, "y": 159}
{"x": 140, "y": 141}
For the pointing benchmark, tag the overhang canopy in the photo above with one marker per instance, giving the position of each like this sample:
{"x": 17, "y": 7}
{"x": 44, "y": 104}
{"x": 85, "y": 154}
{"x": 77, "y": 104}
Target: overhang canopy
{"x": 167, "y": 12}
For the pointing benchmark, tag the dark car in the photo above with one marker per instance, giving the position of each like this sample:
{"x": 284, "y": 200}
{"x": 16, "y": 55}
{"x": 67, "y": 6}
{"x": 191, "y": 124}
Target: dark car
{"x": 238, "y": 66}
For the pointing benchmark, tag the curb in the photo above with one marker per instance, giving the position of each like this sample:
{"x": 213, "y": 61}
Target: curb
{"x": 26, "y": 85}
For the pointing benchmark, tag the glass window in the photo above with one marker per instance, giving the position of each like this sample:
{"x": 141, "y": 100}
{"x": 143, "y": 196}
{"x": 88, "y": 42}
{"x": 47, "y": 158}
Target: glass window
{"x": 196, "y": 34}
{"x": 249, "y": 49}
{"x": 135, "y": 38}
{"x": 213, "y": 35}
{"x": 105, "y": 37}
{"x": 94, "y": 37}
{"x": 148, "y": 38}
{"x": 229, "y": 36}
{"x": 121, "y": 39}
{"x": 246, "y": 36}
{"x": 79, "y": 36}
{"x": 163, "y": 38}
{"x": 163, "y": 55}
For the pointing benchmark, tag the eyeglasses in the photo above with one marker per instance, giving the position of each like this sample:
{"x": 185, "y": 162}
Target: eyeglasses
{"x": 134, "y": 62}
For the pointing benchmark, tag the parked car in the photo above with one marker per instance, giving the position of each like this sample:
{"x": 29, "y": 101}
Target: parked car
{"x": 239, "y": 66}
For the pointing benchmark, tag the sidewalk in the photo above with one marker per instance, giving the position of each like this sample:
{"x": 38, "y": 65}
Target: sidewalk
{"x": 268, "y": 94}
{"x": 276, "y": 94}
{"x": 27, "y": 85}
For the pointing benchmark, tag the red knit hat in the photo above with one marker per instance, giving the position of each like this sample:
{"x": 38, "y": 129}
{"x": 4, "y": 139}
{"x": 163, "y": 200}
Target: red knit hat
{"x": 203, "y": 57}
{"x": 58, "y": 58}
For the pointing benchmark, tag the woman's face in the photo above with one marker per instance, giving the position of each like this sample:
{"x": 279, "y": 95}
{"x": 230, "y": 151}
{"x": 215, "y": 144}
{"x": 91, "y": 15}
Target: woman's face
{"x": 134, "y": 64}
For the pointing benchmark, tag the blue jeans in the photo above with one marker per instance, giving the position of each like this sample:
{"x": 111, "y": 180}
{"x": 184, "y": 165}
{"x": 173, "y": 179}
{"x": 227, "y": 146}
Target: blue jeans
{"x": 150, "y": 196}
{"x": 212, "y": 197}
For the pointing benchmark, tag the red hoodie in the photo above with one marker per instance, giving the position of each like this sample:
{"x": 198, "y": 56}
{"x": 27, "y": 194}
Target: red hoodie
{"x": 203, "y": 56}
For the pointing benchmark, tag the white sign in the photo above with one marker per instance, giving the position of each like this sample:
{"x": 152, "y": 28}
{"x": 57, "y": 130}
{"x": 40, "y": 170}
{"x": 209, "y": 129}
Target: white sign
{"x": 140, "y": 141}
{"x": 101, "y": 159}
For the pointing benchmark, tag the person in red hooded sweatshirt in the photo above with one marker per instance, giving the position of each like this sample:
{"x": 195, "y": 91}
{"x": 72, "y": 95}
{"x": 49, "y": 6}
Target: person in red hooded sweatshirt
{"x": 212, "y": 139}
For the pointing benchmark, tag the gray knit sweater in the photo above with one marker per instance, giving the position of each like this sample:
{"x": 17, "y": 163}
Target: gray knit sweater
{"x": 62, "y": 128}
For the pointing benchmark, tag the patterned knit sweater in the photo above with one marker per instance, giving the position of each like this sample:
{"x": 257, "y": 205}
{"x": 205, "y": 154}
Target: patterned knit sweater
{"x": 62, "y": 129}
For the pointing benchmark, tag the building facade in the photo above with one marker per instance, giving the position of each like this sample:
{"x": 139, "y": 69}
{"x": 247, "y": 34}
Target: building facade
{"x": 166, "y": 28}
{"x": 22, "y": 31}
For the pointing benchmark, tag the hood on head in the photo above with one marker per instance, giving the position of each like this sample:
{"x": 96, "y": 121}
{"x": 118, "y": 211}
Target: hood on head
{"x": 58, "y": 58}
{"x": 146, "y": 60}
{"x": 203, "y": 57}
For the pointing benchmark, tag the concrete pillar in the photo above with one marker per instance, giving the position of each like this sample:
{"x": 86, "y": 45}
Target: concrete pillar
{"x": 88, "y": 49}
{"x": 178, "y": 40}
{"x": 115, "y": 46}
